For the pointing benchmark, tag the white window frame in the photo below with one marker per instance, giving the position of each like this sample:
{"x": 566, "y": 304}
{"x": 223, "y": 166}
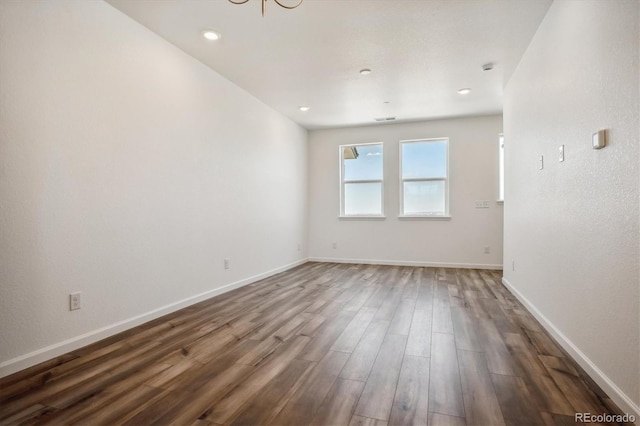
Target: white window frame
{"x": 447, "y": 213}
{"x": 501, "y": 168}
{"x": 342, "y": 215}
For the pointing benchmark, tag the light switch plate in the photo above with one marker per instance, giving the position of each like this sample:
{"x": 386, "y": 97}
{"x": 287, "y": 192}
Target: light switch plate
{"x": 599, "y": 139}
{"x": 561, "y": 153}
{"x": 541, "y": 166}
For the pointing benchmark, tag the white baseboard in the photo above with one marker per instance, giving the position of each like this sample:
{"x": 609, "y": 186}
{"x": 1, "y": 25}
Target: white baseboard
{"x": 44, "y": 354}
{"x": 407, "y": 263}
{"x": 621, "y": 399}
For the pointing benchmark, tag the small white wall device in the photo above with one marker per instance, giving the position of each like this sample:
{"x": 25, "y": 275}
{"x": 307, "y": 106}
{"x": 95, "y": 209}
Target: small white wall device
{"x": 599, "y": 139}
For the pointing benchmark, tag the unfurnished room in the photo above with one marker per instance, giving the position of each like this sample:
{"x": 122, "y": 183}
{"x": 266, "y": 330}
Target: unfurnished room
{"x": 319, "y": 212}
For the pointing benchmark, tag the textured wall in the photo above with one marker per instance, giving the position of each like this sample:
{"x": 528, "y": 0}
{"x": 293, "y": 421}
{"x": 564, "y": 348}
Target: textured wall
{"x": 473, "y": 162}
{"x": 128, "y": 171}
{"x": 572, "y": 228}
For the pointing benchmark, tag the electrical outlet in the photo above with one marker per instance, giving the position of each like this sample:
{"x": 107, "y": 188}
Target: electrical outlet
{"x": 334, "y": 245}
{"x": 226, "y": 264}
{"x": 75, "y": 301}
{"x": 487, "y": 250}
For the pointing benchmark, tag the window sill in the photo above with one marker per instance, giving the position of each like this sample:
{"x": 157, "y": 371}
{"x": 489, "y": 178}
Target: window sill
{"x": 362, "y": 217}
{"x": 446, "y": 217}
{"x": 501, "y": 202}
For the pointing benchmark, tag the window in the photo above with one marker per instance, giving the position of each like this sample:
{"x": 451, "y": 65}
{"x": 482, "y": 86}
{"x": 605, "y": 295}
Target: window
{"x": 501, "y": 161}
{"x": 424, "y": 177}
{"x": 361, "y": 180}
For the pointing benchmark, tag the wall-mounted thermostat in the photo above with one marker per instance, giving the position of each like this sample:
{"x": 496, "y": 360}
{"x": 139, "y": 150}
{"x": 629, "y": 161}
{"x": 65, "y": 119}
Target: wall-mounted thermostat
{"x": 599, "y": 139}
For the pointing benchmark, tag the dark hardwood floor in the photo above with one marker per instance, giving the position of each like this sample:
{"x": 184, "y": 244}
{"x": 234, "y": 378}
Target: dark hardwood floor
{"x": 322, "y": 344}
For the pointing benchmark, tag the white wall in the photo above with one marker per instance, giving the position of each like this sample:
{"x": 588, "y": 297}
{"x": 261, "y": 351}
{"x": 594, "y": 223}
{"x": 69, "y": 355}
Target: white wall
{"x": 473, "y": 150}
{"x": 572, "y": 228}
{"x": 128, "y": 171}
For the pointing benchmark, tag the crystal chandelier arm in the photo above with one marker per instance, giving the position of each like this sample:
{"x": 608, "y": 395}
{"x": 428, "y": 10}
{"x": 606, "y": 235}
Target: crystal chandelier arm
{"x": 264, "y": 4}
{"x": 286, "y": 6}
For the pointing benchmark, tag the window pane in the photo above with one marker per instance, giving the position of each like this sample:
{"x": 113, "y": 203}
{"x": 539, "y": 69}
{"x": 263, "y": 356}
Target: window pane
{"x": 367, "y": 166}
{"x": 424, "y": 159}
{"x": 363, "y": 198}
{"x": 424, "y": 198}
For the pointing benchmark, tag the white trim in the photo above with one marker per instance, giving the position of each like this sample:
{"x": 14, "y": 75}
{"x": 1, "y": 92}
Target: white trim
{"x": 362, "y": 217}
{"x": 406, "y": 263}
{"x": 363, "y": 181}
{"x": 432, "y": 179}
{"x": 424, "y": 217}
{"x": 49, "y": 352}
{"x": 622, "y": 400}
{"x": 500, "y": 168}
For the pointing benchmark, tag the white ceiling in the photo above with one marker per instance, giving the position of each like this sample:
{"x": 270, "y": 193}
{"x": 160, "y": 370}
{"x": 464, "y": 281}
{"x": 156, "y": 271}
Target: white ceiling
{"x": 420, "y": 52}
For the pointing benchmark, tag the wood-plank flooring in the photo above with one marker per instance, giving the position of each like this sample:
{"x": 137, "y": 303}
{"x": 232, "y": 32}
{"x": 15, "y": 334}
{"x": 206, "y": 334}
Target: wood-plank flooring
{"x": 321, "y": 344}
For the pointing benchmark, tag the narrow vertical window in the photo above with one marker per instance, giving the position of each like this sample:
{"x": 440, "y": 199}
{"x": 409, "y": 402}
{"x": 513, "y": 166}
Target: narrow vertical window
{"x": 361, "y": 178}
{"x": 501, "y": 162}
{"x": 424, "y": 173}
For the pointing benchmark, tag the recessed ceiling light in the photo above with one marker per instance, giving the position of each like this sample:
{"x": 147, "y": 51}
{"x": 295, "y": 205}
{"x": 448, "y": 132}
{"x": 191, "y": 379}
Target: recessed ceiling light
{"x": 304, "y": 108}
{"x": 365, "y": 71}
{"x": 464, "y": 91}
{"x": 211, "y": 35}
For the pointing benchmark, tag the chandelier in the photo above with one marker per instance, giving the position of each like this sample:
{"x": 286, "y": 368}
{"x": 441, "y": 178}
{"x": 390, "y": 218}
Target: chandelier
{"x": 264, "y": 4}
